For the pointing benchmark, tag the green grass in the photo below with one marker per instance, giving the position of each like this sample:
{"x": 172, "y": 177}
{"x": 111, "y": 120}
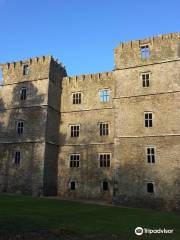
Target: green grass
{"x": 100, "y": 222}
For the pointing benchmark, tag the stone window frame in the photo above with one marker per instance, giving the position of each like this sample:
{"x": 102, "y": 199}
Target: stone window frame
{"x": 104, "y": 98}
{"x": 74, "y": 163}
{"x": 145, "y": 51}
{"x": 150, "y": 157}
{"x": 77, "y": 98}
{"x": 154, "y": 189}
{"x": 146, "y": 83}
{"x": 74, "y": 133}
{"x": 105, "y": 163}
{"x": 148, "y": 122}
{"x": 25, "y": 69}
{"x": 23, "y": 95}
{"x": 19, "y": 123}
{"x": 105, "y": 130}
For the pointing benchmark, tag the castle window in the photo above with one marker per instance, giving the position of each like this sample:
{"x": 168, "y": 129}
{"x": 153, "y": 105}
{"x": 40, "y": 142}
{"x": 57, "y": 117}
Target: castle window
{"x": 23, "y": 94}
{"x": 145, "y": 52}
{"x": 150, "y": 187}
{"x": 20, "y": 127}
{"x": 105, "y": 186}
{"x": 148, "y": 121}
{"x": 76, "y": 98}
{"x": 73, "y": 185}
{"x": 25, "y": 69}
{"x": 104, "y": 160}
{"x": 150, "y": 154}
{"x": 145, "y": 79}
{"x": 75, "y": 130}
{"x": 104, "y": 95}
{"x": 104, "y": 129}
{"x": 17, "y": 157}
{"x": 74, "y": 160}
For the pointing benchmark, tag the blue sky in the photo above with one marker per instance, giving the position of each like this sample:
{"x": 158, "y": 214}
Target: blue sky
{"x": 80, "y": 33}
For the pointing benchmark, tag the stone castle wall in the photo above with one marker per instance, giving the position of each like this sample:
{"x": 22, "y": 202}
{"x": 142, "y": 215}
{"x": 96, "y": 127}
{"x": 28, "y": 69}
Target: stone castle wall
{"x": 40, "y": 115}
{"x": 89, "y": 144}
{"x": 49, "y": 113}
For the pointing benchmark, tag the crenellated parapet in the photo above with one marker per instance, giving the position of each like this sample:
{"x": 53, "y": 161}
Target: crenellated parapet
{"x": 88, "y": 77}
{"x": 161, "y": 48}
{"x": 30, "y": 61}
{"x": 38, "y": 68}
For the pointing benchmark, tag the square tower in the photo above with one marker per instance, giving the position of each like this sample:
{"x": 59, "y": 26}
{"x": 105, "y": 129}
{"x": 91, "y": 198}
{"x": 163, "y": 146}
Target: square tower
{"x": 29, "y": 113}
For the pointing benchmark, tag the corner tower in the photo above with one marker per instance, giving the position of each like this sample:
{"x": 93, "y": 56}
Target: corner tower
{"x": 29, "y": 124}
{"x": 147, "y": 136}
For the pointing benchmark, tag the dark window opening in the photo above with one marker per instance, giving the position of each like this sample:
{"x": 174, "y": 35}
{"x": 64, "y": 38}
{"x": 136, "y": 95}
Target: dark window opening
{"x": 145, "y": 80}
{"x": 20, "y": 127}
{"x": 76, "y": 98}
{"x": 74, "y": 160}
{"x": 104, "y": 129}
{"x": 23, "y": 94}
{"x": 148, "y": 119}
{"x": 73, "y": 185}
{"x": 75, "y": 129}
{"x": 150, "y": 155}
{"x": 26, "y": 69}
{"x": 17, "y": 157}
{"x": 104, "y": 160}
{"x": 105, "y": 186}
{"x": 150, "y": 187}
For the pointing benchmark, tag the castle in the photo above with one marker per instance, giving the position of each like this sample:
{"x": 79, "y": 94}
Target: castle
{"x": 113, "y": 136}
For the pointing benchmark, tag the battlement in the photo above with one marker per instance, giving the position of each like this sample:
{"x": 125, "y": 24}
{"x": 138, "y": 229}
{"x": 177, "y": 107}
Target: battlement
{"x": 38, "y": 68}
{"x": 151, "y": 40}
{"x": 88, "y": 77}
{"x": 162, "y": 47}
{"x": 30, "y": 61}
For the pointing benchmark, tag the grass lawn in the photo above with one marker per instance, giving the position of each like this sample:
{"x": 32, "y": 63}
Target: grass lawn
{"x": 81, "y": 221}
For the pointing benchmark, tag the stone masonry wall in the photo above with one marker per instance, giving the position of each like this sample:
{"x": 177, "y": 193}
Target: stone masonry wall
{"x": 89, "y": 144}
{"x": 34, "y": 111}
{"x": 162, "y": 48}
{"x": 131, "y": 101}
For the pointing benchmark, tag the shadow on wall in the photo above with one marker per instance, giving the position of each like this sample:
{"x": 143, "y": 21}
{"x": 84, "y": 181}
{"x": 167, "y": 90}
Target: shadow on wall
{"x": 33, "y": 118}
{"x": 132, "y": 187}
{"x": 21, "y": 178}
{"x": 89, "y": 176}
{"x": 179, "y": 50}
{"x": 2, "y": 113}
